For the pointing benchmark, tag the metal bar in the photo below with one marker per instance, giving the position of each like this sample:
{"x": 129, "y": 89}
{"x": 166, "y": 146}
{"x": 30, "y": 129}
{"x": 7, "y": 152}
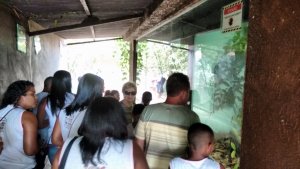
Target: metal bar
{"x": 163, "y": 43}
{"x": 85, "y": 7}
{"x": 103, "y": 40}
{"x": 93, "y": 32}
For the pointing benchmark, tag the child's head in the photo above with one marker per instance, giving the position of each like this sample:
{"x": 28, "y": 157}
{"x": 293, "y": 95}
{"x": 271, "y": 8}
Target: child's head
{"x": 200, "y": 140}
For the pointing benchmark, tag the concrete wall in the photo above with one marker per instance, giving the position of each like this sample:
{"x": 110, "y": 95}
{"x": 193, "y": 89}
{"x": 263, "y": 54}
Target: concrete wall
{"x": 46, "y": 61}
{"x": 15, "y": 65}
{"x": 271, "y": 122}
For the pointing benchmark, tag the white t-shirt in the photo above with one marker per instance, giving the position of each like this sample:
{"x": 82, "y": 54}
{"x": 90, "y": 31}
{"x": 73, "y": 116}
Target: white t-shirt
{"x": 13, "y": 155}
{"x": 206, "y": 163}
{"x": 69, "y": 124}
{"x": 114, "y": 155}
{"x": 52, "y": 116}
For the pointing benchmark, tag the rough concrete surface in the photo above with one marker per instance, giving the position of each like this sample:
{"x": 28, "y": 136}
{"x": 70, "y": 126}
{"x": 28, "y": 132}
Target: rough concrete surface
{"x": 271, "y": 122}
{"x": 15, "y": 65}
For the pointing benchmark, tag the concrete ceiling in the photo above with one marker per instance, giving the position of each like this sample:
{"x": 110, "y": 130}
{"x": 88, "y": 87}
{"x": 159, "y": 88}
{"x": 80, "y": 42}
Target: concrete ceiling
{"x": 130, "y": 19}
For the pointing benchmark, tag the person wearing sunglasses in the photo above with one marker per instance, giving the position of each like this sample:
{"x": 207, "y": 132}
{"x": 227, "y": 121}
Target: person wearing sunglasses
{"x": 129, "y": 92}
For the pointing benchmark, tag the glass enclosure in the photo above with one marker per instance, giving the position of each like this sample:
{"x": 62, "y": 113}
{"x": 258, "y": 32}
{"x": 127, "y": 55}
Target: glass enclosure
{"x": 218, "y": 85}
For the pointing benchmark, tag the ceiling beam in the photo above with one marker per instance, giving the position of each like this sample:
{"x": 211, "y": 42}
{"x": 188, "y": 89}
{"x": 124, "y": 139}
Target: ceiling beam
{"x": 88, "y": 12}
{"x": 84, "y": 24}
{"x": 93, "y": 32}
{"x": 85, "y": 7}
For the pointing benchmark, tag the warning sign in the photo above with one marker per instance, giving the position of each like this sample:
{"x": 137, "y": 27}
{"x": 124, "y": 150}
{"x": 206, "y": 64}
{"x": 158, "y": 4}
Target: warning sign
{"x": 232, "y": 16}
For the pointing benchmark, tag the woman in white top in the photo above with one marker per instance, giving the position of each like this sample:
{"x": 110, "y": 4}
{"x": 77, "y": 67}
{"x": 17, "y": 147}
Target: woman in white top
{"x": 104, "y": 142}
{"x": 58, "y": 99}
{"x": 90, "y": 86}
{"x": 18, "y": 127}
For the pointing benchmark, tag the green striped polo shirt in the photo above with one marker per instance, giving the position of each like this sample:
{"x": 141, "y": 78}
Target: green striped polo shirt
{"x": 164, "y": 129}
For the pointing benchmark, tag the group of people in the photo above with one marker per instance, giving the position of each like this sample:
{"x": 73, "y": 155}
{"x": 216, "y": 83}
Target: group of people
{"x": 89, "y": 130}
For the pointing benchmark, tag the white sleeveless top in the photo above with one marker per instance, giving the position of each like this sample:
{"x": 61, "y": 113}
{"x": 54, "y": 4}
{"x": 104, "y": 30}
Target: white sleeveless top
{"x": 13, "y": 155}
{"x": 52, "y": 116}
{"x": 114, "y": 154}
{"x": 207, "y": 163}
{"x": 69, "y": 124}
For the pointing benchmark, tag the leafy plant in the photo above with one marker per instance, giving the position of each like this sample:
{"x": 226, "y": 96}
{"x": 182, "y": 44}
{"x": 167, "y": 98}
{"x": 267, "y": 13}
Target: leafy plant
{"x": 124, "y": 52}
{"x": 227, "y": 152}
{"x": 229, "y": 73}
{"x": 152, "y": 57}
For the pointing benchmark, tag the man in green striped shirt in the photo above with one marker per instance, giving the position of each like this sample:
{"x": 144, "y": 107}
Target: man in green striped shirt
{"x": 162, "y": 128}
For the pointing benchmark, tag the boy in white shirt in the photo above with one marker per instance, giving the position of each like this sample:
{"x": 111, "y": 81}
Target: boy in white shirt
{"x": 201, "y": 145}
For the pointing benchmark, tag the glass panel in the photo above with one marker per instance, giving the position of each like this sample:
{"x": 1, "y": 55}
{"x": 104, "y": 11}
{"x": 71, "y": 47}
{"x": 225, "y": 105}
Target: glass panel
{"x": 156, "y": 61}
{"x": 37, "y": 44}
{"x": 218, "y": 85}
{"x": 21, "y": 39}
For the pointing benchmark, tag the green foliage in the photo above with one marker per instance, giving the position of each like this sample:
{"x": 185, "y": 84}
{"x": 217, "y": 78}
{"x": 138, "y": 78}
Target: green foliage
{"x": 124, "y": 49}
{"x": 124, "y": 52}
{"x": 229, "y": 73}
{"x": 142, "y": 52}
{"x": 166, "y": 60}
{"x": 227, "y": 152}
{"x": 238, "y": 43}
{"x": 152, "y": 57}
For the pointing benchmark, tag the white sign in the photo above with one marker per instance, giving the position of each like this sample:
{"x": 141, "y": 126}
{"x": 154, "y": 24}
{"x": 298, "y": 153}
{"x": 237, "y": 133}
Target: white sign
{"x": 232, "y": 16}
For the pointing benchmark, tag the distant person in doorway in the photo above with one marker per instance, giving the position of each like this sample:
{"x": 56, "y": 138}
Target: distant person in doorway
{"x": 18, "y": 131}
{"x": 112, "y": 93}
{"x": 160, "y": 86}
{"x": 107, "y": 93}
{"x": 146, "y": 98}
{"x": 104, "y": 142}
{"x": 115, "y": 94}
{"x": 201, "y": 145}
{"x": 162, "y": 128}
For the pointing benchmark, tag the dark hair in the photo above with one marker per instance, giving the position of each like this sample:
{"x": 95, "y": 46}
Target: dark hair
{"x": 147, "y": 97}
{"x": 113, "y": 92}
{"x": 198, "y": 129}
{"x": 48, "y": 81}
{"x": 61, "y": 84}
{"x": 104, "y": 117}
{"x": 137, "y": 109}
{"x": 90, "y": 86}
{"x": 107, "y": 93}
{"x": 176, "y": 83}
{"x": 14, "y": 91}
{"x": 136, "y": 113}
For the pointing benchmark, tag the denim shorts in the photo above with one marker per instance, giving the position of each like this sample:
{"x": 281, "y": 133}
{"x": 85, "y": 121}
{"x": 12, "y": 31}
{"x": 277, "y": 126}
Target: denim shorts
{"x": 52, "y": 149}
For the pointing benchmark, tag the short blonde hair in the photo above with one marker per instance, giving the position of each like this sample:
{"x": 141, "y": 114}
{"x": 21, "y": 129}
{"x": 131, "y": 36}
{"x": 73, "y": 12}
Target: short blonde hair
{"x": 128, "y": 85}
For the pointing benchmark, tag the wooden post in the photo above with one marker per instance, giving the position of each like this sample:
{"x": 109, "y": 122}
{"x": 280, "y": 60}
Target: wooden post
{"x": 133, "y": 60}
{"x": 271, "y": 122}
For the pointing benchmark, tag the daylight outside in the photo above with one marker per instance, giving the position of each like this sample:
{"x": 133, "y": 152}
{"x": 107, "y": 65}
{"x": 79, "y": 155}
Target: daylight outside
{"x": 110, "y": 60}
